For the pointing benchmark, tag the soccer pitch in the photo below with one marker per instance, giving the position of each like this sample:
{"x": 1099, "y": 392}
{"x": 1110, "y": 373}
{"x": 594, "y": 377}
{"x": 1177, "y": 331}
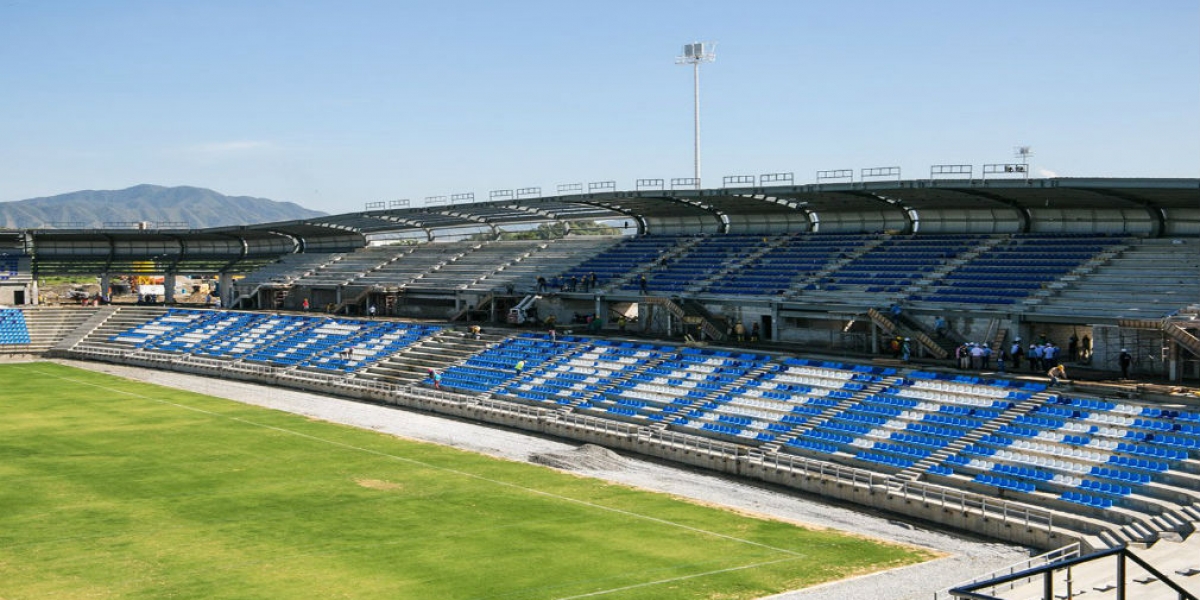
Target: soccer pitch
{"x": 118, "y": 489}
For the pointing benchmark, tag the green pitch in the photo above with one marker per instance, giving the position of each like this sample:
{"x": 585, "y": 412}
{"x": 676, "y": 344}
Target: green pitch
{"x": 111, "y": 488}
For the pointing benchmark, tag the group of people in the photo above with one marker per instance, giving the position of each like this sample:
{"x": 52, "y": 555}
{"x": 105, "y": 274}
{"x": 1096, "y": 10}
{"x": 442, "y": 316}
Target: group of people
{"x": 1039, "y": 355}
{"x": 574, "y": 283}
{"x": 901, "y": 348}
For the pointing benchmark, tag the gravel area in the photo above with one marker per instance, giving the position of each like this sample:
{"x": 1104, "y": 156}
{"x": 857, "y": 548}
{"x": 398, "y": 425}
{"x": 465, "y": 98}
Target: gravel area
{"x": 965, "y": 557}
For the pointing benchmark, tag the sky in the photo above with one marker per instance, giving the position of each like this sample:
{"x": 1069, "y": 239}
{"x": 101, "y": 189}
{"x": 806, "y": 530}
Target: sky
{"x": 337, "y": 104}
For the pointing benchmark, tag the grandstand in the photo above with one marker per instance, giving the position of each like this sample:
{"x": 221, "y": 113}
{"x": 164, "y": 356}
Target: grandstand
{"x": 810, "y": 406}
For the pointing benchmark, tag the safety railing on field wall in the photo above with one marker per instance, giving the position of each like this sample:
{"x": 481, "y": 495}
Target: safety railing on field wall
{"x": 107, "y": 352}
{"x": 153, "y": 355}
{"x": 373, "y": 385}
{"x": 841, "y": 473}
{"x": 607, "y": 426}
{"x": 523, "y": 410}
{"x": 1031, "y": 518}
{"x": 698, "y": 443}
{"x": 254, "y": 369}
{"x": 202, "y": 361}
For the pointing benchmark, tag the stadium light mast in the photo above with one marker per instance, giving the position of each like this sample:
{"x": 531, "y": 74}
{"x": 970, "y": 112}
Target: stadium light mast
{"x": 1023, "y": 153}
{"x": 694, "y": 54}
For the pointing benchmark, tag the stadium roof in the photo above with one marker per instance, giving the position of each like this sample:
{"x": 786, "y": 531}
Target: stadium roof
{"x": 1151, "y": 195}
{"x": 1150, "y": 207}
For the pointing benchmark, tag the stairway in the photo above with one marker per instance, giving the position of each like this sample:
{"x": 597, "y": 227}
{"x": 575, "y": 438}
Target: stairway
{"x": 412, "y": 364}
{"x": 1182, "y": 336}
{"x": 1023, "y": 407}
{"x": 891, "y": 328}
{"x": 98, "y": 318}
{"x": 706, "y": 326}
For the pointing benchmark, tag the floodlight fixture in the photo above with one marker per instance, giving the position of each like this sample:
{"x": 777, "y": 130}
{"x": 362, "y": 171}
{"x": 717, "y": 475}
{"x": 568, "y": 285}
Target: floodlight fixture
{"x": 402, "y": 203}
{"x": 650, "y": 184}
{"x": 1023, "y": 153}
{"x": 694, "y": 54}
{"x": 529, "y": 192}
{"x": 435, "y": 200}
{"x": 374, "y": 205}
{"x": 564, "y": 188}
{"x": 464, "y": 198}
{"x": 496, "y": 195}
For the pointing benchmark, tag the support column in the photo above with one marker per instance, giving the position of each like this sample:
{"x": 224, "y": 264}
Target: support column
{"x": 1174, "y": 369}
{"x": 169, "y": 287}
{"x": 775, "y": 322}
{"x": 225, "y": 288}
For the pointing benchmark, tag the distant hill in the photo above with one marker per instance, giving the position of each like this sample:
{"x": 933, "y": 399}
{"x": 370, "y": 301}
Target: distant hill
{"x": 173, "y": 207}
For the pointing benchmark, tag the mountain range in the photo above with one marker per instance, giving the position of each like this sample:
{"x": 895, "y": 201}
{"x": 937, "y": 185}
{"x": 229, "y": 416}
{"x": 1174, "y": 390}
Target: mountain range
{"x": 181, "y": 207}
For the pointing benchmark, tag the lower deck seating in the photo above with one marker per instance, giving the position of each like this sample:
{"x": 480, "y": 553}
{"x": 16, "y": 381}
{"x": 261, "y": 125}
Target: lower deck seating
{"x": 993, "y": 436}
{"x": 311, "y": 342}
{"x": 13, "y": 329}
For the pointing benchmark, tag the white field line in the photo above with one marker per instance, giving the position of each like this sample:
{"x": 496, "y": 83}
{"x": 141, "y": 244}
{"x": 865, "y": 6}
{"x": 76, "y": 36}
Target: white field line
{"x": 674, "y": 579}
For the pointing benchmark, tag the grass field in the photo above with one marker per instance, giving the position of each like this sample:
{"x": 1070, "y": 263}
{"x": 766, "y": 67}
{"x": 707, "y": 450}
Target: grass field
{"x": 111, "y": 488}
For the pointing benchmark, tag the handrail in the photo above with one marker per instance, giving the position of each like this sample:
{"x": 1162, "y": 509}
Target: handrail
{"x": 1004, "y": 509}
{"x": 1046, "y": 571}
{"x": 1072, "y": 550}
{"x": 841, "y": 473}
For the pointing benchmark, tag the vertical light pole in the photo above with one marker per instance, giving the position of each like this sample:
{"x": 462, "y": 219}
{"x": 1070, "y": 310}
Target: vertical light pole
{"x": 694, "y": 54}
{"x": 1023, "y": 153}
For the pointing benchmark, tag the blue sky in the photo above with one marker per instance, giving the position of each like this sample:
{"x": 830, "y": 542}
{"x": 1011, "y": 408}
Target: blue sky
{"x": 336, "y": 104}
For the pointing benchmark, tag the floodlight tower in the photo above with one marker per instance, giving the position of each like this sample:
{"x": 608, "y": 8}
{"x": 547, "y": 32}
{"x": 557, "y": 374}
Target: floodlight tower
{"x": 1023, "y": 153}
{"x": 694, "y": 54}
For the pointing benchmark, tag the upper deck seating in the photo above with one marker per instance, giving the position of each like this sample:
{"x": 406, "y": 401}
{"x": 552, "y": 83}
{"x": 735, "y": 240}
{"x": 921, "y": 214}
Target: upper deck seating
{"x": 1015, "y": 268}
{"x": 10, "y": 265}
{"x": 700, "y": 262}
{"x": 618, "y": 261}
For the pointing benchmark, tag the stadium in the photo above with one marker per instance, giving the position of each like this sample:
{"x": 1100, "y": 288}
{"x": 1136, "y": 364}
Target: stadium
{"x": 866, "y": 342}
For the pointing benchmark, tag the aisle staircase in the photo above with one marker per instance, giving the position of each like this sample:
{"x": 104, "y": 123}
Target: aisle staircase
{"x": 686, "y": 316}
{"x": 892, "y": 328}
{"x": 412, "y": 364}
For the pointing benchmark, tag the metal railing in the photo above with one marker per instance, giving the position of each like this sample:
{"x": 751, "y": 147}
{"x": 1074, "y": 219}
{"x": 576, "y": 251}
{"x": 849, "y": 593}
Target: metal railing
{"x": 1046, "y": 574}
{"x": 840, "y": 473}
{"x": 698, "y": 444}
{"x": 946, "y": 497}
{"x": 1059, "y": 554}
